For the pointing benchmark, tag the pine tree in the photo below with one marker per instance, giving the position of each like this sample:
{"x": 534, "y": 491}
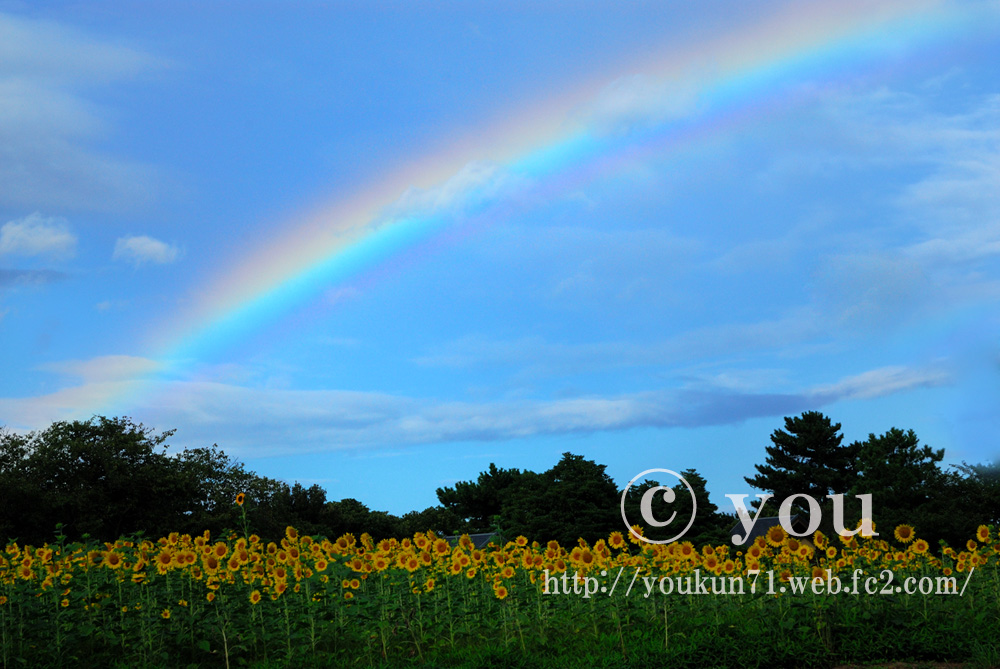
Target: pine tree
{"x": 806, "y": 457}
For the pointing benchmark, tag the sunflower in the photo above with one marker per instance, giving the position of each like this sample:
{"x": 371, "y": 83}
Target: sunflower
{"x": 616, "y": 540}
{"x": 983, "y": 534}
{"x": 500, "y": 591}
{"x": 428, "y": 585}
{"x": 255, "y": 597}
{"x": 164, "y": 561}
{"x": 165, "y": 614}
{"x": 210, "y": 596}
{"x": 240, "y": 498}
{"x": 635, "y": 535}
{"x": 920, "y": 546}
{"x": 776, "y": 535}
{"x": 904, "y": 533}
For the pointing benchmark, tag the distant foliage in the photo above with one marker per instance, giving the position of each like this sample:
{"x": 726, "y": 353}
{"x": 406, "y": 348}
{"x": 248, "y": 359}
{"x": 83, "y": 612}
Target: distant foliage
{"x": 109, "y": 477}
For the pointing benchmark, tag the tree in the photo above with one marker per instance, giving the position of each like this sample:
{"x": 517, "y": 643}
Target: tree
{"x": 350, "y": 515}
{"x": 980, "y": 493}
{"x": 103, "y": 477}
{"x": 907, "y": 486}
{"x": 572, "y": 500}
{"x": 709, "y": 526}
{"x": 107, "y": 477}
{"x": 806, "y": 458}
{"x": 436, "y": 518}
{"x": 478, "y": 503}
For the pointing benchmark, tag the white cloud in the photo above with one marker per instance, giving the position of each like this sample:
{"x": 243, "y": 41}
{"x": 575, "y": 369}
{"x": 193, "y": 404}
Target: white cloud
{"x": 874, "y": 290}
{"x": 47, "y": 123}
{"x": 640, "y": 100}
{"x": 798, "y": 327}
{"x": 36, "y": 235}
{"x": 52, "y": 52}
{"x": 884, "y": 381}
{"x": 477, "y": 182}
{"x": 254, "y": 421}
{"x": 105, "y": 368}
{"x": 142, "y": 249}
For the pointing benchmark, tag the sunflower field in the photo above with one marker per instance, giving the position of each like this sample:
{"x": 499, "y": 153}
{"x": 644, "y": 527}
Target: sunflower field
{"x": 203, "y": 601}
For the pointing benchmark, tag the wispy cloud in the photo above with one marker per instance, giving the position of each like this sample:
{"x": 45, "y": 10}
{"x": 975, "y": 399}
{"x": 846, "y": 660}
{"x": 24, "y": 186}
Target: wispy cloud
{"x": 476, "y": 182}
{"x": 104, "y": 368}
{"x": 47, "y": 124}
{"x": 141, "y": 249}
{"x": 264, "y": 421}
{"x": 798, "y": 327}
{"x": 27, "y": 277}
{"x": 640, "y": 100}
{"x": 37, "y": 235}
{"x": 883, "y": 381}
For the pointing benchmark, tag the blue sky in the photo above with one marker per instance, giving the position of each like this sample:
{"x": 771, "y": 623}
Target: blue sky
{"x": 615, "y": 247}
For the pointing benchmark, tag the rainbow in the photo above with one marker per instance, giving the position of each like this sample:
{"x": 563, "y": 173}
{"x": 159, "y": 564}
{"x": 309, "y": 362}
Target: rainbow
{"x": 599, "y": 128}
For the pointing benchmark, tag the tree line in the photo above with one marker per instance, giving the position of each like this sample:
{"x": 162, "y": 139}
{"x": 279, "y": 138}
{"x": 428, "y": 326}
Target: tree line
{"x": 108, "y": 477}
